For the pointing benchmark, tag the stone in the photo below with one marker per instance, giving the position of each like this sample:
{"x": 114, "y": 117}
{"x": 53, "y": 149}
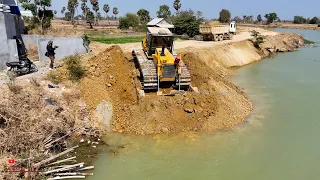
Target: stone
{"x": 105, "y": 113}
{"x": 109, "y": 85}
{"x": 188, "y": 108}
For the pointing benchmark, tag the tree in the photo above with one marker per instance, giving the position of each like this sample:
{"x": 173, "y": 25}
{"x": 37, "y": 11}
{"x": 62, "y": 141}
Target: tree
{"x": 237, "y": 19}
{"x": 299, "y": 20}
{"x": 72, "y": 6}
{"x": 106, "y": 9}
{"x": 225, "y": 16}
{"x": 314, "y": 20}
{"x": 144, "y": 16}
{"x": 55, "y": 12}
{"x": 95, "y": 7}
{"x": 177, "y": 5}
{"x": 129, "y": 20}
{"x": 115, "y": 11}
{"x": 90, "y": 18}
{"x": 187, "y": 23}
{"x": 99, "y": 16}
{"x": 63, "y": 10}
{"x": 199, "y": 15}
{"x": 68, "y": 16}
{"x": 259, "y": 18}
{"x": 271, "y": 17}
{"x": 84, "y": 7}
{"x": 42, "y": 16}
{"x": 164, "y": 11}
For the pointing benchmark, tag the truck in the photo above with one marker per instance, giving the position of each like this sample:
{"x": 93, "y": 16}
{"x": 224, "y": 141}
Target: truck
{"x": 219, "y": 32}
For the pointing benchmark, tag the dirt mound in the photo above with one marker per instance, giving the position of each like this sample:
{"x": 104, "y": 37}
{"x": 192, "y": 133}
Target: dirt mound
{"x": 111, "y": 77}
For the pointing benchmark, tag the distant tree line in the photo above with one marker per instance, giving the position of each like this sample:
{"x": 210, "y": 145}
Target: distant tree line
{"x": 302, "y": 20}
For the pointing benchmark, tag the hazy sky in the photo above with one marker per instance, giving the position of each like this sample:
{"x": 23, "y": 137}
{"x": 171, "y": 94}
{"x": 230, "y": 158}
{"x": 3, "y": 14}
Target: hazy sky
{"x": 285, "y": 9}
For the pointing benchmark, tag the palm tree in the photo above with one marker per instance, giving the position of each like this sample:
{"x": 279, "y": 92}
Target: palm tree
{"x": 106, "y": 9}
{"x": 115, "y": 11}
{"x": 177, "y": 5}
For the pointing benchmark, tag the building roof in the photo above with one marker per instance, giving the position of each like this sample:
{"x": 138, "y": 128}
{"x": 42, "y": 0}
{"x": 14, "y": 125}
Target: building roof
{"x": 160, "y": 22}
{"x": 160, "y": 31}
{"x": 26, "y": 13}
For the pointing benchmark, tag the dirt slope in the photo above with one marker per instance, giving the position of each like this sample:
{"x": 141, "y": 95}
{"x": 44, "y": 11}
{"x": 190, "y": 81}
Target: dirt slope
{"x": 111, "y": 77}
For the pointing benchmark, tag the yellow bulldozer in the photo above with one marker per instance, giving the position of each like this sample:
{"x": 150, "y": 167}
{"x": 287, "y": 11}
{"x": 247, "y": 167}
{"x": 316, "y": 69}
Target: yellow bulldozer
{"x": 157, "y": 62}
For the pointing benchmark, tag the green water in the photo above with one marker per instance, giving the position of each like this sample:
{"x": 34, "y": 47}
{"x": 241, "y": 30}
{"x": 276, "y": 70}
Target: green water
{"x": 279, "y": 141}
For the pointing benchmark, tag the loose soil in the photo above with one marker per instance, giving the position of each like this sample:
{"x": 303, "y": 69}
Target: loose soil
{"x": 112, "y": 77}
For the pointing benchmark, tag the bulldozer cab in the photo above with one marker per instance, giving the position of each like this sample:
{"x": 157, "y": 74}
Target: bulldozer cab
{"x": 159, "y": 38}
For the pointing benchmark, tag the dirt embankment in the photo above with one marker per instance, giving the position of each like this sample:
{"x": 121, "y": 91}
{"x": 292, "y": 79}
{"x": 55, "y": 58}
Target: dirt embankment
{"x": 111, "y": 77}
{"x": 243, "y": 52}
{"x": 284, "y": 25}
{"x": 219, "y": 105}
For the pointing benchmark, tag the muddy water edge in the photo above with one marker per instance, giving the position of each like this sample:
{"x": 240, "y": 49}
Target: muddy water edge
{"x": 278, "y": 141}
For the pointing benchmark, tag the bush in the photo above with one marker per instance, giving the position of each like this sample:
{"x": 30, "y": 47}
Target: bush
{"x": 187, "y": 23}
{"x": 129, "y": 20}
{"x": 258, "y": 38}
{"x": 11, "y": 83}
{"x": 53, "y": 77}
{"x": 314, "y": 20}
{"x": 75, "y": 68}
{"x": 299, "y": 20}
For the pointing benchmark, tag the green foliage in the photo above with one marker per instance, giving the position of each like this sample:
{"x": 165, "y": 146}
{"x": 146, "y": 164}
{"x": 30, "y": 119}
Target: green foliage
{"x": 53, "y": 77}
{"x": 106, "y": 9}
{"x": 67, "y": 16}
{"x": 75, "y": 68}
{"x": 144, "y": 16}
{"x": 271, "y": 17}
{"x": 259, "y": 18}
{"x": 90, "y": 17}
{"x": 186, "y": 22}
{"x": 225, "y": 16}
{"x": 129, "y": 20}
{"x": 115, "y": 11}
{"x": 258, "y": 38}
{"x": 164, "y": 11}
{"x": 177, "y": 5}
{"x": 131, "y": 39}
{"x": 72, "y": 6}
{"x": 299, "y": 20}
{"x": 308, "y": 42}
{"x": 36, "y": 7}
{"x": 314, "y": 20}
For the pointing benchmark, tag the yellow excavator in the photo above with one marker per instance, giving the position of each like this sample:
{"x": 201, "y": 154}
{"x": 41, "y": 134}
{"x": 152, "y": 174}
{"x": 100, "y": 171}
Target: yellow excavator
{"x": 158, "y": 63}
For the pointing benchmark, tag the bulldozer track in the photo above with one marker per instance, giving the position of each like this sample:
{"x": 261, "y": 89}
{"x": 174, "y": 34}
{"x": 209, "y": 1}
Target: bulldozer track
{"x": 148, "y": 71}
{"x": 149, "y": 79}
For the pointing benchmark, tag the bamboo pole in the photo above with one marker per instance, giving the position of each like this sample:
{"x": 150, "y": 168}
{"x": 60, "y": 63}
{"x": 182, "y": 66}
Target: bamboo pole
{"x": 61, "y": 161}
{"x": 74, "y": 174}
{"x": 54, "y": 157}
{"x": 86, "y": 168}
{"x": 67, "y": 177}
{"x": 64, "y": 169}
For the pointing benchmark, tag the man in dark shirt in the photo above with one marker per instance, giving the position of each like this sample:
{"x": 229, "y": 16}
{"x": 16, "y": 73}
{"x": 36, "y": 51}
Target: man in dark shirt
{"x": 51, "y": 53}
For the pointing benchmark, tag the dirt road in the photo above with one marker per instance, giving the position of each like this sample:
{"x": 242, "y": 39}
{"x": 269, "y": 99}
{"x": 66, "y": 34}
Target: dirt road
{"x": 99, "y": 47}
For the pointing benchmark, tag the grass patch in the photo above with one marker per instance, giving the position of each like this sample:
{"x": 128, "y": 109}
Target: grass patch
{"x": 308, "y": 42}
{"x": 122, "y": 40}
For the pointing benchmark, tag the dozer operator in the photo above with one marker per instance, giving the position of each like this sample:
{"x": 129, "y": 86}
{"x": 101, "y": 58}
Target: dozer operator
{"x": 158, "y": 63}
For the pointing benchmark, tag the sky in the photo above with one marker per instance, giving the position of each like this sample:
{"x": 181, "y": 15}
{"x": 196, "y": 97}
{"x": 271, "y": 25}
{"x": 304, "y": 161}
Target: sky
{"x": 286, "y": 9}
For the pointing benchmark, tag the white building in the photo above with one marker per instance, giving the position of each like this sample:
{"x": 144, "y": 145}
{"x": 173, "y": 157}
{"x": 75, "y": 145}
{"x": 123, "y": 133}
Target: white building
{"x": 9, "y": 2}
